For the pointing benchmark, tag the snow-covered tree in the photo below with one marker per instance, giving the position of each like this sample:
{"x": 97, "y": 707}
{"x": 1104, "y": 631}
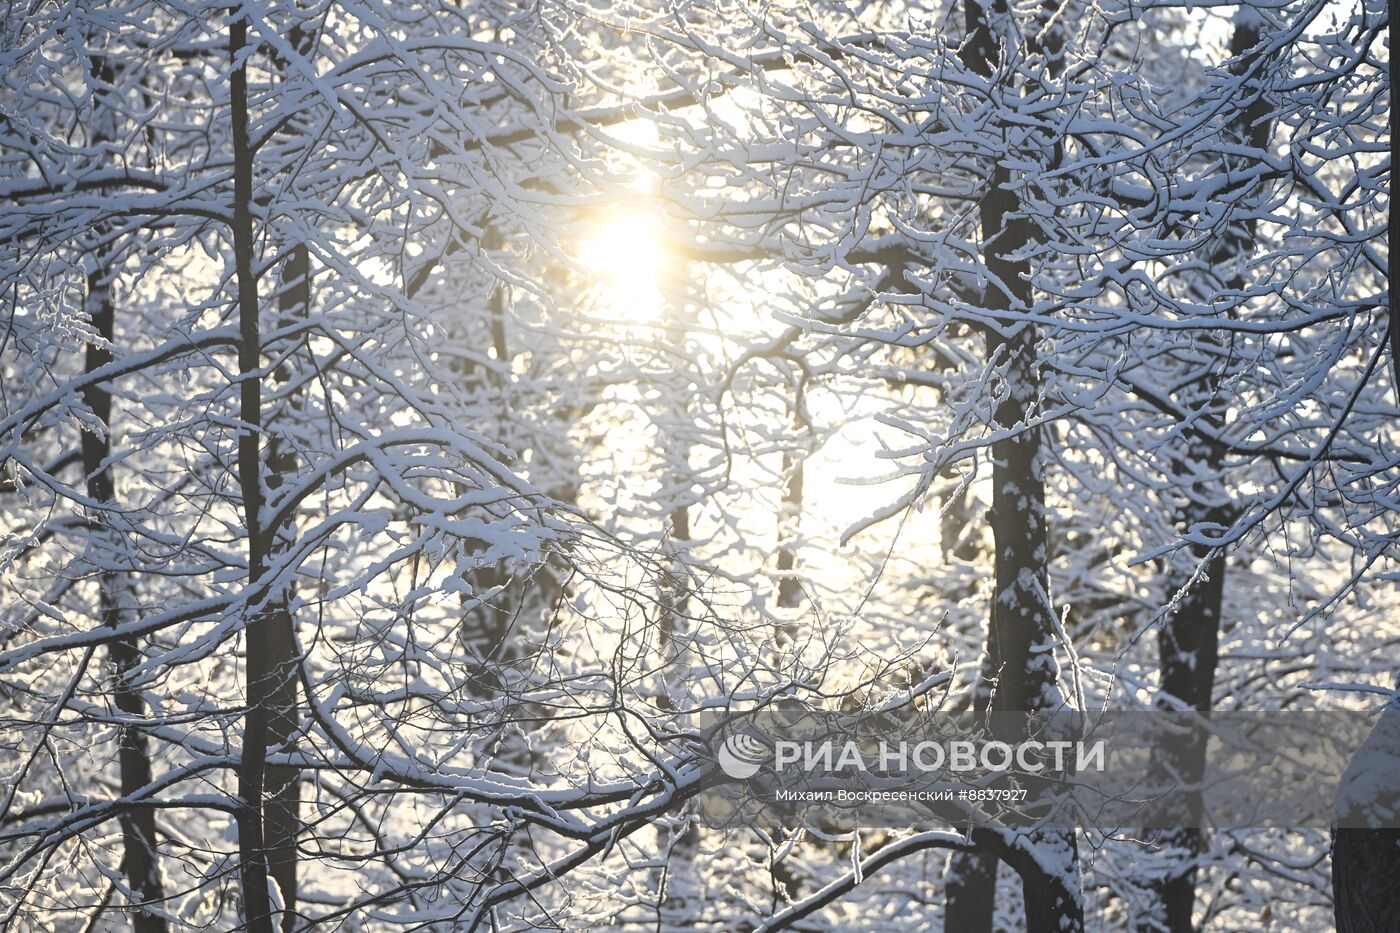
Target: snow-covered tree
{"x": 422, "y": 421}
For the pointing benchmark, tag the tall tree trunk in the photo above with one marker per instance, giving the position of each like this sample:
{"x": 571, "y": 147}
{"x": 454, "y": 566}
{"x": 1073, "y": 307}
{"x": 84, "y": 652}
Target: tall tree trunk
{"x": 1188, "y": 640}
{"x": 282, "y": 805}
{"x": 971, "y": 876}
{"x": 138, "y": 825}
{"x": 266, "y": 628}
{"x": 1022, "y": 674}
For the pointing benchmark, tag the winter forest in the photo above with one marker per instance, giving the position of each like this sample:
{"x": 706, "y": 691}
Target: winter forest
{"x": 419, "y": 418}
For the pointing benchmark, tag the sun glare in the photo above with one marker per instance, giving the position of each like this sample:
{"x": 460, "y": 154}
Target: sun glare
{"x": 625, "y": 257}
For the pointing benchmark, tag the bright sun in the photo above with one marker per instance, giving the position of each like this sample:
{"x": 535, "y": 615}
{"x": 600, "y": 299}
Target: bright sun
{"x": 624, "y": 255}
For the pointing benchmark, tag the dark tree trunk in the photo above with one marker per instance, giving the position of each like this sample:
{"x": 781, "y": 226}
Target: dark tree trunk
{"x": 265, "y": 629}
{"x": 970, "y": 892}
{"x": 282, "y": 806}
{"x": 1021, "y": 673}
{"x": 1189, "y": 639}
{"x": 282, "y": 783}
{"x": 273, "y": 659}
{"x": 1188, "y": 645}
{"x": 138, "y": 825}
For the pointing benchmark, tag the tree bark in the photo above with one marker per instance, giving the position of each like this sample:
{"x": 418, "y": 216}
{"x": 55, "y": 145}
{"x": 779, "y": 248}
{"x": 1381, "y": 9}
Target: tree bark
{"x": 138, "y": 825}
{"x": 1021, "y": 672}
{"x": 282, "y": 804}
{"x": 1188, "y": 640}
{"x": 265, "y": 628}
